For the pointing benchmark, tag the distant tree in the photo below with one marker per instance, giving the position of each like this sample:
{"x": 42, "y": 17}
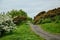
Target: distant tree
{"x": 15, "y": 13}
{"x": 18, "y": 16}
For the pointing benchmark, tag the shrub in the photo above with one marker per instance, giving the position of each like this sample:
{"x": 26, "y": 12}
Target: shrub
{"x": 42, "y": 21}
{"x": 47, "y": 20}
{"x": 19, "y": 19}
{"x": 53, "y": 14}
{"x": 18, "y": 16}
{"x": 6, "y": 24}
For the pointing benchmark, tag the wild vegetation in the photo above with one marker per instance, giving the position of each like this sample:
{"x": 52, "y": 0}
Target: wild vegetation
{"x": 18, "y": 16}
{"x": 49, "y": 21}
{"x": 53, "y": 28}
{"x": 23, "y": 32}
{"x": 6, "y": 24}
{"x": 14, "y": 26}
{"x": 49, "y": 16}
{"x": 9, "y": 20}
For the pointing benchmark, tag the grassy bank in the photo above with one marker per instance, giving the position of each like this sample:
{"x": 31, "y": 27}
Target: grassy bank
{"x": 23, "y": 32}
{"x": 53, "y": 28}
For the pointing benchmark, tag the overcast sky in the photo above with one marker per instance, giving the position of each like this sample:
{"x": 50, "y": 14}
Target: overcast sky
{"x": 32, "y": 7}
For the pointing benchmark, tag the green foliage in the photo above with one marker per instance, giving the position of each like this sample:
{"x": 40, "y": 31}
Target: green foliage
{"x": 53, "y": 28}
{"x": 47, "y": 20}
{"x": 29, "y": 19}
{"x": 55, "y": 19}
{"x": 18, "y": 16}
{"x": 15, "y": 13}
{"x": 23, "y": 32}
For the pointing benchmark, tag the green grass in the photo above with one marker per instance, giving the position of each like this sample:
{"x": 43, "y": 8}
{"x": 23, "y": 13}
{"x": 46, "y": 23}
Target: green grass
{"x": 23, "y": 32}
{"x": 53, "y": 28}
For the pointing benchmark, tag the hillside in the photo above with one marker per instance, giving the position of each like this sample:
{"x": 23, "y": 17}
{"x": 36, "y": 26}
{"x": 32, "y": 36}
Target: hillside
{"x": 50, "y": 14}
{"x": 49, "y": 21}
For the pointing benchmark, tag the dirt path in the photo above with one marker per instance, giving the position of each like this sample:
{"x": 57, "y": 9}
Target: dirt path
{"x": 44, "y": 34}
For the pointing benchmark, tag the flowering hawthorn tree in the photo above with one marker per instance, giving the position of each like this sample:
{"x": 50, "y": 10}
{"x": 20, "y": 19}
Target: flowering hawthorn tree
{"x": 6, "y": 24}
